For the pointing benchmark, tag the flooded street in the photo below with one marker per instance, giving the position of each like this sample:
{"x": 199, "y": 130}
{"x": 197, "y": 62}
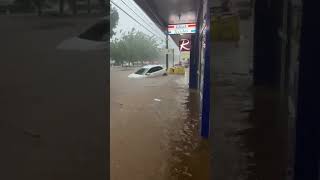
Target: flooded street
{"x": 154, "y": 129}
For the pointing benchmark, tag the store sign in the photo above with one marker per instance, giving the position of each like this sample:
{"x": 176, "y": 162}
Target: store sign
{"x": 182, "y": 28}
{"x": 184, "y": 45}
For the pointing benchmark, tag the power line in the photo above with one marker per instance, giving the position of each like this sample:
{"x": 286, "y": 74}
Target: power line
{"x": 135, "y": 7}
{"x": 138, "y": 15}
{"x": 134, "y": 19}
{"x": 139, "y": 22}
{"x": 145, "y": 17}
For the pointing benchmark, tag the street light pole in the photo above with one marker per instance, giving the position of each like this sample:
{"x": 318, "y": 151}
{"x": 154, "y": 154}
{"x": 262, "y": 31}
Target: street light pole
{"x": 167, "y": 55}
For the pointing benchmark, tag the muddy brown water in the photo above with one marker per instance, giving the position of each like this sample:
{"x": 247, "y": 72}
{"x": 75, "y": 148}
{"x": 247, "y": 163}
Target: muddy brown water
{"x": 154, "y": 129}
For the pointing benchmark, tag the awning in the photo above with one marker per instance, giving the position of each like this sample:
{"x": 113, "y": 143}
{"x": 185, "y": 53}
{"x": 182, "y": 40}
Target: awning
{"x": 165, "y": 12}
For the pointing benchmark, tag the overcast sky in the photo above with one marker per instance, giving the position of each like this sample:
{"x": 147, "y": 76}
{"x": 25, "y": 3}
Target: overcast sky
{"x": 126, "y": 23}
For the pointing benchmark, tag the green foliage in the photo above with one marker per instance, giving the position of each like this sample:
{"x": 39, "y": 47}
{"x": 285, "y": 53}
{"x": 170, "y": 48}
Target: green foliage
{"x": 134, "y": 46}
{"x": 114, "y": 18}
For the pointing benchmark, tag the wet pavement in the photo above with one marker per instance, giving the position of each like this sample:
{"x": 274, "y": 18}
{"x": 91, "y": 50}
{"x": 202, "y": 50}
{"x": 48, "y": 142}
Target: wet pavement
{"x": 154, "y": 129}
{"x": 232, "y": 104}
{"x": 248, "y": 139}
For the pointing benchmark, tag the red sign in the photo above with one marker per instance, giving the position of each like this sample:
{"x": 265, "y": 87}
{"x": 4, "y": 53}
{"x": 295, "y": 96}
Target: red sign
{"x": 185, "y": 45}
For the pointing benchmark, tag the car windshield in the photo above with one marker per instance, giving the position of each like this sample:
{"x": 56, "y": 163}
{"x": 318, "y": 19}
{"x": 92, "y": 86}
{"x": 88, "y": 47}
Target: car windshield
{"x": 141, "y": 71}
{"x": 96, "y": 32}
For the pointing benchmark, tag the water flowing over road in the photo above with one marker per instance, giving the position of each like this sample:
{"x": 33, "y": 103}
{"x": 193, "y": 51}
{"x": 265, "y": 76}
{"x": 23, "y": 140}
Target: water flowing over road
{"x": 154, "y": 129}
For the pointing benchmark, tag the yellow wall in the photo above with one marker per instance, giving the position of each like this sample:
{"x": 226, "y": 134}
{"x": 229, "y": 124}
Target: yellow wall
{"x": 184, "y": 56}
{"x": 225, "y": 28}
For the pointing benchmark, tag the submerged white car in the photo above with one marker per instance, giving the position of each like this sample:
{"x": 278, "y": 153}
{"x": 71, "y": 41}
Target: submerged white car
{"x": 149, "y": 71}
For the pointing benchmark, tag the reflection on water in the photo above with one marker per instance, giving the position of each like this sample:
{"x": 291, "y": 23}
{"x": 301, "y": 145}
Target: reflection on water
{"x": 189, "y": 152}
{"x": 154, "y": 129}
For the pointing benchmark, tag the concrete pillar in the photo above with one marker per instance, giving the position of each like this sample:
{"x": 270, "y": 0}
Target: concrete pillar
{"x": 264, "y": 63}
{"x": 193, "y": 82}
{"x": 268, "y": 70}
{"x": 206, "y": 104}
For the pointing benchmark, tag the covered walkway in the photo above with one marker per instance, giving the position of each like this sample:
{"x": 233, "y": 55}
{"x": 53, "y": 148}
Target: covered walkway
{"x": 256, "y": 99}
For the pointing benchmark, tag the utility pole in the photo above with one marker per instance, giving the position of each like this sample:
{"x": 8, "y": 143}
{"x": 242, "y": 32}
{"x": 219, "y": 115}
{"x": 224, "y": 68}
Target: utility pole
{"x": 167, "y": 47}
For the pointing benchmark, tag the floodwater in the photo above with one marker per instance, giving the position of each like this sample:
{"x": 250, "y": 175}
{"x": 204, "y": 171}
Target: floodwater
{"x": 154, "y": 129}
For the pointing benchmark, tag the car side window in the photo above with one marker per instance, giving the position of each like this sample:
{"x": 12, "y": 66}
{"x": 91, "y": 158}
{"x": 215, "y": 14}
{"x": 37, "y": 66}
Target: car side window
{"x": 159, "y": 68}
{"x": 154, "y": 69}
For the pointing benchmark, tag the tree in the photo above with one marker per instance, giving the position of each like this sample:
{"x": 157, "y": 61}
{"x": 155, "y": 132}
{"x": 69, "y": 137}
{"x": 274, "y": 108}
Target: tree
{"x": 146, "y": 47}
{"x": 133, "y": 47}
{"x": 116, "y": 51}
{"x": 114, "y": 18}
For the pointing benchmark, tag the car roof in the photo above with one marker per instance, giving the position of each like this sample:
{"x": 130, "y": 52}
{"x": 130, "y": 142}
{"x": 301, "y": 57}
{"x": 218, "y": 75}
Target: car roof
{"x": 152, "y": 65}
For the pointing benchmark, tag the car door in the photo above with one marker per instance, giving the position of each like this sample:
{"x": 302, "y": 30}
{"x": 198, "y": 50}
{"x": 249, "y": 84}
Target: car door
{"x": 154, "y": 71}
{"x": 151, "y": 72}
{"x": 161, "y": 71}
{"x": 158, "y": 71}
